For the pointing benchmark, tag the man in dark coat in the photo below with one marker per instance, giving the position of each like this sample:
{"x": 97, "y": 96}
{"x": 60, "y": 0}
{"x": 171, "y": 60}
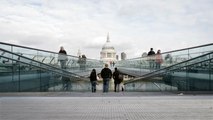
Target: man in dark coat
{"x": 151, "y": 58}
{"x": 106, "y": 74}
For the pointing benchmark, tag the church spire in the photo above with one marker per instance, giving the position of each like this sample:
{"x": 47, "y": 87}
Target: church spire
{"x": 108, "y": 37}
{"x": 79, "y": 53}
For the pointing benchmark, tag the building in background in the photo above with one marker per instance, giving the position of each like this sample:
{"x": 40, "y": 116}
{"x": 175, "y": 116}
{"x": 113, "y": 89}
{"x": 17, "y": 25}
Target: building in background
{"x": 108, "y": 53}
{"x": 123, "y": 56}
{"x": 117, "y": 57}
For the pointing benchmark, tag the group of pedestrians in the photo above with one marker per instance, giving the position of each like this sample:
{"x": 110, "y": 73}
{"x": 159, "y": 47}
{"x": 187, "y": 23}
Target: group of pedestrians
{"x": 107, "y": 75}
{"x": 155, "y": 60}
{"x": 82, "y": 62}
{"x": 62, "y": 58}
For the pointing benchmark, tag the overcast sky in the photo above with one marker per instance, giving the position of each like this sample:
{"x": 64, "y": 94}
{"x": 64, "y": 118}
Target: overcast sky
{"x": 134, "y": 25}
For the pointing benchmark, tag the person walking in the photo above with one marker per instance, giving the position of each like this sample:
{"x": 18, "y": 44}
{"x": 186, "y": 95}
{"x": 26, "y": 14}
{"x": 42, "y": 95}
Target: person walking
{"x": 62, "y": 57}
{"x": 84, "y": 61}
{"x": 158, "y": 59}
{"x": 106, "y": 74}
{"x": 93, "y": 80}
{"x": 151, "y": 59}
{"x": 117, "y": 80}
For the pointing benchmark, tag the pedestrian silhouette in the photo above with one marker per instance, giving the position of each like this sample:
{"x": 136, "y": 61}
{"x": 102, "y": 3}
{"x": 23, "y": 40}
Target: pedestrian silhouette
{"x": 93, "y": 80}
{"x": 117, "y": 80}
{"x": 62, "y": 57}
{"x": 106, "y": 74}
{"x": 151, "y": 59}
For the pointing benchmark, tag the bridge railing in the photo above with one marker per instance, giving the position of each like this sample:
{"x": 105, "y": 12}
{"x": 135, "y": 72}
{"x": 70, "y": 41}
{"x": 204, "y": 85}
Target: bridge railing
{"x": 21, "y": 73}
{"x": 195, "y": 74}
{"x": 73, "y": 63}
{"x": 168, "y": 58}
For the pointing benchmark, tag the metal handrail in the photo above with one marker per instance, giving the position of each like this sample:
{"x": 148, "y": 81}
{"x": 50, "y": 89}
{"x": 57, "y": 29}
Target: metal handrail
{"x": 166, "y": 68}
{"x": 175, "y": 51}
{"x": 53, "y": 68}
{"x": 9, "y": 44}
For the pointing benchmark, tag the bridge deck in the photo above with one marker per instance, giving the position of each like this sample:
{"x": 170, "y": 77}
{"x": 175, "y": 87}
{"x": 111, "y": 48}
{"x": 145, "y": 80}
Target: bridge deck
{"x": 105, "y": 106}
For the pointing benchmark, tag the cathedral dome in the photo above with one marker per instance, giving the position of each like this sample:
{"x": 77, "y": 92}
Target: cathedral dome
{"x": 108, "y": 45}
{"x": 108, "y": 53}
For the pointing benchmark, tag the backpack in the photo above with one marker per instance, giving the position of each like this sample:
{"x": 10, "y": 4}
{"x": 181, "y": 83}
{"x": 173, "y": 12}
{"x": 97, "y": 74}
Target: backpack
{"x": 120, "y": 76}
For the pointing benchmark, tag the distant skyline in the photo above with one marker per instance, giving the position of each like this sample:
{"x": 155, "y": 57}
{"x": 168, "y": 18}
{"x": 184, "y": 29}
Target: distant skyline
{"x": 134, "y": 26}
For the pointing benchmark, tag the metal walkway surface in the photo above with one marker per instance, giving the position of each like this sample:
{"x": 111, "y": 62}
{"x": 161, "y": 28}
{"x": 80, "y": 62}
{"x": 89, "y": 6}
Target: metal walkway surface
{"x": 105, "y": 106}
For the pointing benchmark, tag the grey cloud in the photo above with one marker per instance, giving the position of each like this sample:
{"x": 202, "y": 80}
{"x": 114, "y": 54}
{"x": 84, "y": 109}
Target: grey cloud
{"x": 134, "y": 26}
{"x": 97, "y": 46}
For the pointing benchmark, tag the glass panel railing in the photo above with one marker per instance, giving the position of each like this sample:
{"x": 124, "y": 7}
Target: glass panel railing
{"x": 192, "y": 75}
{"x": 154, "y": 86}
{"x": 20, "y": 73}
{"x": 73, "y": 63}
{"x": 168, "y": 58}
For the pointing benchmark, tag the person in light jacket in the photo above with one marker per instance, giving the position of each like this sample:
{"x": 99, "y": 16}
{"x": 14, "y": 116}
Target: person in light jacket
{"x": 158, "y": 59}
{"x": 62, "y": 57}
